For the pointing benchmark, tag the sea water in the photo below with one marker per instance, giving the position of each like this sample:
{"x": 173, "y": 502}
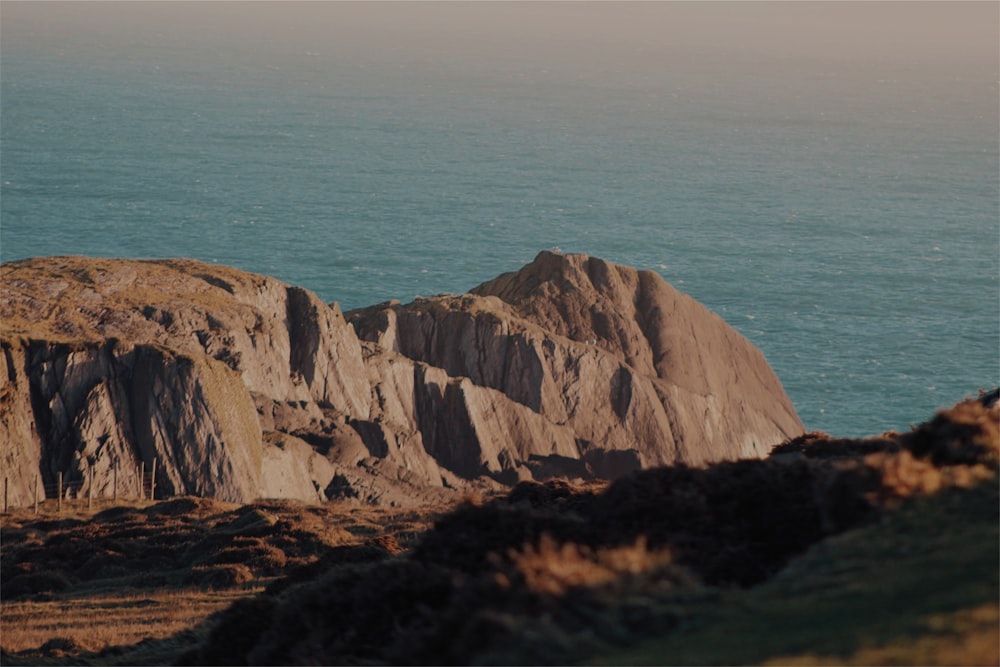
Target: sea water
{"x": 844, "y": 218}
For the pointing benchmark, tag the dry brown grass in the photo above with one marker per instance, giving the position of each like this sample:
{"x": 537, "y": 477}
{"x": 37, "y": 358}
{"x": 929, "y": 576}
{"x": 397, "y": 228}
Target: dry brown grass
{"x": 37, "y": 291}
{"x": 551, "y": 568}
{"x": 966, "y": 637}
{"x": 93, "y": 623}
{"x": 145, "y": 576}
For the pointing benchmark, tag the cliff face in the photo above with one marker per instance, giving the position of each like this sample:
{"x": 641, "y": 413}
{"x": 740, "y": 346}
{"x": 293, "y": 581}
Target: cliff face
{"x": 617, "y": 357}
{"x": 85, "y": 408}
{"x": 242, "y": 386}
{"x": 280, "y": 339}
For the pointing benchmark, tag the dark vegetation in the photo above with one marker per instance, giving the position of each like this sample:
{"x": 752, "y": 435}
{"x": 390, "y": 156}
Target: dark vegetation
{"x": 917, "y": 587}
{"x": 552, "y": 573}
{"x": 560, "y": 573}
{"x": 181, "y": 542}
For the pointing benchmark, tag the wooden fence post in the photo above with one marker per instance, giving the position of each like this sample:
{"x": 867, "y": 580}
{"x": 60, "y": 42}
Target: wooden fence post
{"x": 59, "y": 490}
{"x": 152, "y": 482}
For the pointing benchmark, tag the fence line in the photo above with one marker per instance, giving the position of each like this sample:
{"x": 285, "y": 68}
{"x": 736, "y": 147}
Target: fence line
{"x": 139, "y": 485}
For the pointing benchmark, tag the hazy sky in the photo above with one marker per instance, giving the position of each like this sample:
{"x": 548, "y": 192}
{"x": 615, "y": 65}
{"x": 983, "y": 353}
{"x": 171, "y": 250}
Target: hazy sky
{"x": 851, "y": 32}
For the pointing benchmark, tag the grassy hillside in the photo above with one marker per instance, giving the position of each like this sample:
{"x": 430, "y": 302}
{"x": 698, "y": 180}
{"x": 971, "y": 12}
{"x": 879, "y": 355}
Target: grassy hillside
{"x": 878, "y": 551}
{"x": 133, "y": 584}
{"x": 918, "y": 586}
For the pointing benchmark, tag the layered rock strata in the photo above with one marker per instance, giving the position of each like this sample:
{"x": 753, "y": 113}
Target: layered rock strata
{"x": 244, "y": 387}
{"x": 612, "y": 358}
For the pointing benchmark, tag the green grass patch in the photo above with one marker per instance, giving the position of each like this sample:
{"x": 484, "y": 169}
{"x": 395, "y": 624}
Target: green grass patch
{"x": 919, "y": 586}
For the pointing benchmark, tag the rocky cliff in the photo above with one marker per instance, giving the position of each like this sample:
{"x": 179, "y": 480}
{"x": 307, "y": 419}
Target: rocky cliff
{"x": 612, "y": 359}
{"x": 241, "y": 386}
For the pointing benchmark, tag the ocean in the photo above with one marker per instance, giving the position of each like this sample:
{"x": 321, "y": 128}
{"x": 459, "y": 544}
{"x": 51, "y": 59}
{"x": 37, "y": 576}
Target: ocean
{"x": 839, "y": 206}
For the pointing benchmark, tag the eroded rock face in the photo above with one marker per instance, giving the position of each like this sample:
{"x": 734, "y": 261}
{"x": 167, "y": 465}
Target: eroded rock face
{"x": 20, "y": 441}
{"x": 244, "y": 387}
{"x": 204, "y": 337}
{"x": 94, "y": 406}
{"x": 282, "y": 340}
{"x": 611, "y": 358}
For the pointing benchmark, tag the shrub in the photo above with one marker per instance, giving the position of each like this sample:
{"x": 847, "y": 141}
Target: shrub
{"x": 219, "y": 577}
{"x": 22, "y": 585}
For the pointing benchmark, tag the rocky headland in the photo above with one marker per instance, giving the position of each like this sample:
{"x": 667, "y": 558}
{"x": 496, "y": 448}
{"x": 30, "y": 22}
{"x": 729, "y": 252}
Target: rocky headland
{"x": 242, "y": 387}
{"x": 597, "y": 469}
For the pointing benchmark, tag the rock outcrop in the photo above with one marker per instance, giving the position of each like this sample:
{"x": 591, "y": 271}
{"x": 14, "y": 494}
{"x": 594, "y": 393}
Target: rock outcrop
{"x": 85, "y": 408}
{"x": 241, "y": 386}
{"x": 611, "y": 359}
